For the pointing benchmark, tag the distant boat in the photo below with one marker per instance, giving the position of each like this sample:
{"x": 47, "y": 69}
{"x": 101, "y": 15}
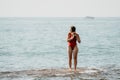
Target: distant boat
{"x": 89, "y": 17}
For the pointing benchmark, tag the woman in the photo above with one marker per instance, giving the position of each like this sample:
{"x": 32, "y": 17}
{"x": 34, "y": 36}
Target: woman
{"x": 72, "y": 38}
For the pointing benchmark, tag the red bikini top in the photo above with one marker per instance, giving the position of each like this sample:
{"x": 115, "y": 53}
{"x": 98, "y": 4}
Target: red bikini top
{"x": 73, "y": 41}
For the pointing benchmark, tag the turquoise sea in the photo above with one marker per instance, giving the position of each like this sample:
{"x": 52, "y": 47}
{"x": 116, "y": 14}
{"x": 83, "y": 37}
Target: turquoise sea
{"x": 40, "y": 43}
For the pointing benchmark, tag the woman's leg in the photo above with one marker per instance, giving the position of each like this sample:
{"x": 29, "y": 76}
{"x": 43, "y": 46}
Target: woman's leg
{"x": 75, "y": 57}
{"x": 70, "y": 57}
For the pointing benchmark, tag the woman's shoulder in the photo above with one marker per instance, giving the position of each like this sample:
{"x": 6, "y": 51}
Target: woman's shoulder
{"x": 77, "y": 34}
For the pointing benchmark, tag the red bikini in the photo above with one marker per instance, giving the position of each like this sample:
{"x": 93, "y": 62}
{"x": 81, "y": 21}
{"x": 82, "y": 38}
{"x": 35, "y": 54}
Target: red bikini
{"x": 72, "y": 43}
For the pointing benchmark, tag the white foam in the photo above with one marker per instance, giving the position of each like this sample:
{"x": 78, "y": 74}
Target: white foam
{"x": 90, "y": 71}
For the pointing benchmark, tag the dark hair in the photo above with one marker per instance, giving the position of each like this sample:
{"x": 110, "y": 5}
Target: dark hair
{"x": 73, "y": 29}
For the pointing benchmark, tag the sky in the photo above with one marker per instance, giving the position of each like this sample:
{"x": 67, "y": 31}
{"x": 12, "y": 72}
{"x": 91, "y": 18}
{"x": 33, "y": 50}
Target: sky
{"x": 59, "y": 8}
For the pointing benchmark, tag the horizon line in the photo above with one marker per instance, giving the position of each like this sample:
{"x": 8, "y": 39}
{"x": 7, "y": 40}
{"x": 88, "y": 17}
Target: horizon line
{"x": 54, "y": 16}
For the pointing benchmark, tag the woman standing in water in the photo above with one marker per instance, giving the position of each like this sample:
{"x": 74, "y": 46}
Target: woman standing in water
{"x": 72, "y": 38}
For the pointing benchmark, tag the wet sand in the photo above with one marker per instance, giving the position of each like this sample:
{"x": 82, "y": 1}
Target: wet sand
{"x": 82, "y": 73}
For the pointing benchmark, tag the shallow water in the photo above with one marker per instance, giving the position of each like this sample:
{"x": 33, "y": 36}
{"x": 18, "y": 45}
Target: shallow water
{"x": 89, "y": 74}
{"x": 40, "y": 43}
{"x": 63, "y": 74}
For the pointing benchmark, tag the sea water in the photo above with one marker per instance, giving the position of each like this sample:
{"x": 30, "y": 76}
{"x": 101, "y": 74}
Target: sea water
{"x": 40, "y": 42}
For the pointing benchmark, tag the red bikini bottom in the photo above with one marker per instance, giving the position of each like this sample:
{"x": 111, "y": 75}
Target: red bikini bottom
{"x": 72, "y": 46}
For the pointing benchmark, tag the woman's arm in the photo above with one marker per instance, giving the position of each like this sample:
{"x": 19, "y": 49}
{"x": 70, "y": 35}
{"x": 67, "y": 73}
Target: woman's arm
{"x": 69, "y": 38}
{"x": 78, "y": 38}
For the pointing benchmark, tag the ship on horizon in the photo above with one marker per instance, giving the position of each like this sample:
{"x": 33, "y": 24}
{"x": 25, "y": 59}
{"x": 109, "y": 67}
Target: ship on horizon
{"x": 89, "y": 17}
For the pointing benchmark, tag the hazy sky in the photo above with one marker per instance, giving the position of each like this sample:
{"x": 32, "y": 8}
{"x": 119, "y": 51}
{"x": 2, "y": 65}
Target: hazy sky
{"x": 59, "y": 8}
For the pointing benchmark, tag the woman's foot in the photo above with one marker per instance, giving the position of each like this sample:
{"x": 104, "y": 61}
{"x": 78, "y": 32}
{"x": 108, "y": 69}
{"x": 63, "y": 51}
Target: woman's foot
{"x": 70, "y": 69}
{"x": 75, "y": 70}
